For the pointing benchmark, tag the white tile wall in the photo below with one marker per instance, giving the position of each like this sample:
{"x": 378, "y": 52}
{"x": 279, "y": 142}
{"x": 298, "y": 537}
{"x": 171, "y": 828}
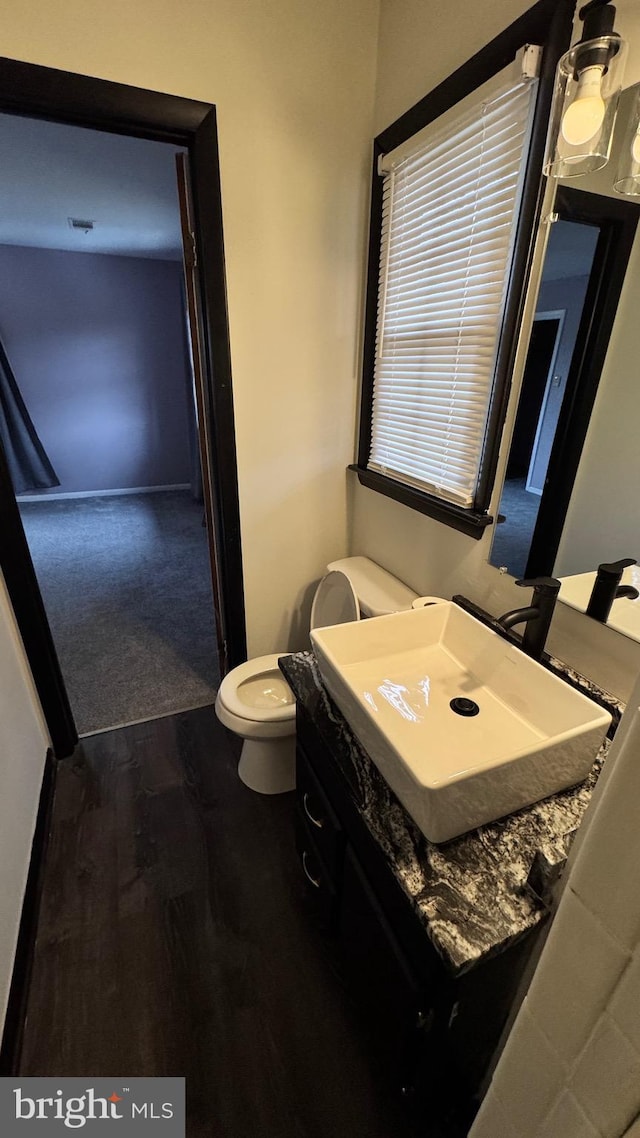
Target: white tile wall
{"x": 588, "y": 965}
{"x": 571, "y": 1066}
{"x": 494, "y": 1122}
{"x": 527, "y": 1110}
{"x": 625, "y": 1005}
{"x": 606, "y": 1079}
{"x": 612, "y": 846}
{"x": 567, "y": 1119}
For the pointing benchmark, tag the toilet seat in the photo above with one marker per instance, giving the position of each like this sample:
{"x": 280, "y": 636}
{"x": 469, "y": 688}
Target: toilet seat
{"x": 335, "y": 601}
{"x": 254, "y": 699}
{"x": 257, "y": 692}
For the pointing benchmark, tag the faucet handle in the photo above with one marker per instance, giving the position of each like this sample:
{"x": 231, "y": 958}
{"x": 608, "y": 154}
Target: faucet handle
{"x": 548, "y": 585}
{"x": 613, "y": 569}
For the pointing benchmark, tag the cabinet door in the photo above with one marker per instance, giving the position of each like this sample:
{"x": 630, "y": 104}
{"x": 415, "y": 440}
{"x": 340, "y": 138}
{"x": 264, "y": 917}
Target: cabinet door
{"x": 382, "y": 981}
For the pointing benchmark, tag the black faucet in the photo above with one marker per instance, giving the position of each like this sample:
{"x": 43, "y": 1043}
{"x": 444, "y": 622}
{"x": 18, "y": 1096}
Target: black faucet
{"x": 607, "y": 588}
{"x": 538, "y": 614}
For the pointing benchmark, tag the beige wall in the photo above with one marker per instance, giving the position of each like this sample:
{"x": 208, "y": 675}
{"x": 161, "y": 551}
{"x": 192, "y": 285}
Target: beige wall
{"x": 420, "y": 44}
{"x": 293, "y": 85}
{"x": 23, "y": 746}
{"x": 628, "y": 24}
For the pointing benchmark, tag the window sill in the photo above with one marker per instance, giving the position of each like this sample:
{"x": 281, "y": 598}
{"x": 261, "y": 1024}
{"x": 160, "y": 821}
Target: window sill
{"x": 471, "y": 523}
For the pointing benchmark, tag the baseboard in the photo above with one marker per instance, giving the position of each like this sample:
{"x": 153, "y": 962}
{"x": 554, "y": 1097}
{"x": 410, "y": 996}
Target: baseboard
{"x": 44, "y": 497}
{"x": 11, "y": 1046}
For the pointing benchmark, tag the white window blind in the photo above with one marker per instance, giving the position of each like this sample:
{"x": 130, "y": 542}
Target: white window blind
{"x": 449, "y": 213}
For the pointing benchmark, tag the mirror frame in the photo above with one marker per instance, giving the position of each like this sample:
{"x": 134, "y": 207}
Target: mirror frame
{"x": 617, "y": 221}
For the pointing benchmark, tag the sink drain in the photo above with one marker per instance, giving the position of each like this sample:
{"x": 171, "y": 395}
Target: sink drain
{"x": 463, "y": 706}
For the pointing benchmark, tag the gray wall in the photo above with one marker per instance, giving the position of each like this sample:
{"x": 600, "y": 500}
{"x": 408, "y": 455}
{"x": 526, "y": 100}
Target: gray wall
{"x": 97, "y": 346}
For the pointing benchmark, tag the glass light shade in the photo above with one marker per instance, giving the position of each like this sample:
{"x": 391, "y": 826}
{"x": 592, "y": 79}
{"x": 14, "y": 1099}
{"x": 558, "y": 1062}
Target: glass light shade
{"x": 585, "y": 103}
{"x": 627, "y": 179}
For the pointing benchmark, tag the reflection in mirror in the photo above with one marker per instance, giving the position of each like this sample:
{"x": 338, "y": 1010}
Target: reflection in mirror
{"x": 577, "y": 591}
{"x": 567, "y": 267}
{"x": 570, "y": 499}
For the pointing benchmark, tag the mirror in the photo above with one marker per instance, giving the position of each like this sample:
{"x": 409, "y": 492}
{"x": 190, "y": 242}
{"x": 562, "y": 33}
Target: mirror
{"x": 570, "y": 497}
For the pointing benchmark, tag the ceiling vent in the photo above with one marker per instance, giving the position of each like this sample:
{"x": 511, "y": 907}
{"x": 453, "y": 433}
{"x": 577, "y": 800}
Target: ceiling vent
{"x": 82, "y": 223}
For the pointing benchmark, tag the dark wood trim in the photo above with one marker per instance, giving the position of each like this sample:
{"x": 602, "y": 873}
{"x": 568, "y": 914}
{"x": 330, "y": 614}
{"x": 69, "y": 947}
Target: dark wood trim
{"x": 64, "y": 96}
{"x": 61, "y": 96}
{"x": 556, "y": 39}
{"x": 370, "y": 313}
{"x": 617, "y": 220}
{"x": 28, "y": 606}
{"x": 15, "y": 1017}
{"x": 466, "y": 521}
{"x": 207, "y": 194}
{"x": 194, "y": 319}
{"x": 549, "y": 23}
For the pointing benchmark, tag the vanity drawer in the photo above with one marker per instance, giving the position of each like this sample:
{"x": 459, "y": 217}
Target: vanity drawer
{"x": 319, "y": 885}
{"x": 319, "y": 819}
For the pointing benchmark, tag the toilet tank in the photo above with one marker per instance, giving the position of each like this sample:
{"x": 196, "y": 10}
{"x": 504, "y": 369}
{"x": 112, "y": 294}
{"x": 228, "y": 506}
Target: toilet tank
{"x": 378, "y": 592}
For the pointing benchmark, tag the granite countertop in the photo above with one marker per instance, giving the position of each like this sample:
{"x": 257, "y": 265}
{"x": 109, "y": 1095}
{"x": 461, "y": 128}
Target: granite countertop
{"x": 474, "y": 893}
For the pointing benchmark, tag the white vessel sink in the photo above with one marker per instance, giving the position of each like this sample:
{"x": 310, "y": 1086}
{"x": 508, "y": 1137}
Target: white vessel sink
{"x": 393, "y": 678}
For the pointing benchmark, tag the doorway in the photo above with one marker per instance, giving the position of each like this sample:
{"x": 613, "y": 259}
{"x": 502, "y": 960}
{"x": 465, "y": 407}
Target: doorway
{"x": 538, "y": 379}
{"x": 66, "y": 98}
{"x": 550, "y": 379}
{"x": 93, "y": 326}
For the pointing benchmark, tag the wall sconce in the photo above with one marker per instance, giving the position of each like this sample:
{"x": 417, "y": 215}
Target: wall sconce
{"x": 585, "y": 102}
{"x": 627, "y": 180}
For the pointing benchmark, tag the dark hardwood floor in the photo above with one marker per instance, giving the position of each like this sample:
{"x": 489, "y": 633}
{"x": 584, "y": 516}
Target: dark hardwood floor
{"x": 174, "y": 939}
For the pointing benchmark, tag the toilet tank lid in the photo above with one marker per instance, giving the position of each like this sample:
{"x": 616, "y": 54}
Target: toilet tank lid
{"x": 378, "y": 592}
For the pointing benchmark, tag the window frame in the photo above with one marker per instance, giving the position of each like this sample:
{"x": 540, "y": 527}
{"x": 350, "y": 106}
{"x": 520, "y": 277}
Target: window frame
{"x": 549, "y": 23}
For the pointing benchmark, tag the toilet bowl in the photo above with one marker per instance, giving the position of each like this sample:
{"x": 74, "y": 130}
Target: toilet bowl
{"x": 255, "y": 701}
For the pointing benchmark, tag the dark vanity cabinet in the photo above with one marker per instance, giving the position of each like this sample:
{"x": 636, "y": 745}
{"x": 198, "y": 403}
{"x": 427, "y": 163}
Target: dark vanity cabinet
{"x": 321, "y": 841}
{"x": 435, "y": 1031}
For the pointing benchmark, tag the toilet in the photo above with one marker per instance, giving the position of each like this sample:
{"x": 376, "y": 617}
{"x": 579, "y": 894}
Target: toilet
{"x": 255, "y": 701}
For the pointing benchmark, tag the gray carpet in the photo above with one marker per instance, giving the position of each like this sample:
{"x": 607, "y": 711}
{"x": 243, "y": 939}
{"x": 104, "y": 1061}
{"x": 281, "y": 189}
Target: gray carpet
{"x": 127, "y": 589}
{"x": 513, "y": 536}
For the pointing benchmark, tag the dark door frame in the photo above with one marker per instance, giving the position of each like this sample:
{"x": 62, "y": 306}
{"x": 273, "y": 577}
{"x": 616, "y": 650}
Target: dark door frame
{"x": 61, "y": 96}
{"x": 532, "y": 393}
{"x": 617, "y": 220}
